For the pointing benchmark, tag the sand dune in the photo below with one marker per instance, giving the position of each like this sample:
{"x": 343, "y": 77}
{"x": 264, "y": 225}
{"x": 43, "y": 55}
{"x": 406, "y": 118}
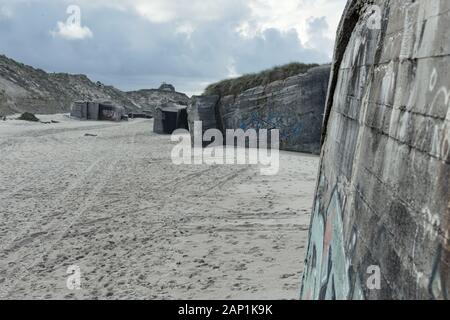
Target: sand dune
{"x": 140, "y": 227}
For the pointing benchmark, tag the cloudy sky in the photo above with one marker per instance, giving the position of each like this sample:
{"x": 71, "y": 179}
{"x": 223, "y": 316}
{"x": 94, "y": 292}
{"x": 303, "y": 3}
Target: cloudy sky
{"x": 135, "y": 44}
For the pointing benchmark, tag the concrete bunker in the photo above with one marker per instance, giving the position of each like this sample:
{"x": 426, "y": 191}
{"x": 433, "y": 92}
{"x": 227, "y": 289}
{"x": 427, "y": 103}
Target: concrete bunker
{"x": 91, "y": 110}
{"x": 170, "y": 118}
{"x": 382, "y": 204}
{"x": 294, "y": 106}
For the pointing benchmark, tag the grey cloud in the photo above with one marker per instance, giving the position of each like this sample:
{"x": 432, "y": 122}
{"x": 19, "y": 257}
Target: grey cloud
{"x": 130, "y": 52}
{"x": 317, "y": 28}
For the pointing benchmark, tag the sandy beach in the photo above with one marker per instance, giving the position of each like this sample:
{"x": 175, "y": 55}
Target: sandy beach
{"x": 140, "y": 227}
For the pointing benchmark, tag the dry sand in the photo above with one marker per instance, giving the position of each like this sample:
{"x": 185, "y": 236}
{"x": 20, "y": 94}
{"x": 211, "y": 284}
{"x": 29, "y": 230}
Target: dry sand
{"x": 140, "y": 227}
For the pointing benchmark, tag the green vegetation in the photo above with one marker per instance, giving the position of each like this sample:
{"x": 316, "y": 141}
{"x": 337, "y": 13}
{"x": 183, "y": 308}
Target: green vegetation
{"x": 245, "y": 82}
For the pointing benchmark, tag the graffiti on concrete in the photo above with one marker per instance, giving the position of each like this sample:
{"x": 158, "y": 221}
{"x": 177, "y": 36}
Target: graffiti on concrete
{"x": 273, "y": 120}
{"x": 386, "y": 153}
{"x": 441, "y": 145}
{"x": 328, "y": 273}
{"x": 294, "y": 106}
{"x": 439, "y": 278}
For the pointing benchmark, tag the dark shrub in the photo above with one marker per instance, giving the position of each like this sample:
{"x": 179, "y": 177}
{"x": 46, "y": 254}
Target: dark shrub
{"x": 27, "y": 116}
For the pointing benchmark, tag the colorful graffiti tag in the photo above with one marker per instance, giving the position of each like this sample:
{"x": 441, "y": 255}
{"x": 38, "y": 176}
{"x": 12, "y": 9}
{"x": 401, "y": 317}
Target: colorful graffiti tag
{"x": 289, "y": 129}
{"x": 328, "y": 273}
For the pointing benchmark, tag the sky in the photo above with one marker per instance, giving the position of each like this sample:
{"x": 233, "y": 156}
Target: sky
{"x": 138, "y": 44}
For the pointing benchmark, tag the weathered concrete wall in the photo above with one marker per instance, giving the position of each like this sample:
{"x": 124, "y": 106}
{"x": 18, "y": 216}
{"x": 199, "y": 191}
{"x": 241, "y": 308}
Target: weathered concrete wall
{"x": 79, "y": 110}
{"x": 383, "y": 196}
{"x": 93, "y": 109}
{"x": 295, "y": 106}
{"x": 90, "y": 110}
{"x": 203, "y": 108}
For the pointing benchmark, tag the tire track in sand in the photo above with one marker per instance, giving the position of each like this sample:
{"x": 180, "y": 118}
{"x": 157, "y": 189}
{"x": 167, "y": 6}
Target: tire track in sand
{"x": 19, "y": 272}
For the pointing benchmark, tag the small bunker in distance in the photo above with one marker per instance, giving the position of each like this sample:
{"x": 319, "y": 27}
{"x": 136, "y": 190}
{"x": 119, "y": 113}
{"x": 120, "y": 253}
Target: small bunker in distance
{"x": 170, "y": 118}
{"x": 88, "y": 110}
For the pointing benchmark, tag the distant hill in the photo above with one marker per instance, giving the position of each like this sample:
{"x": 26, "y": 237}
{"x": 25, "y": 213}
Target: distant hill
{"x": 26, "y": 89}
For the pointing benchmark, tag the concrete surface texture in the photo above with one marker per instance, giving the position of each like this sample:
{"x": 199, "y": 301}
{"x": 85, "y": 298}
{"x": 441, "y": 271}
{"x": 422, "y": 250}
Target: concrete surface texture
{"x": 106, "y": 197}
{"x": 382, "y": 198}
{"x": 203, "y": 109}
{"x": 294, "y": 106}
{"x": 170, "y": 118}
